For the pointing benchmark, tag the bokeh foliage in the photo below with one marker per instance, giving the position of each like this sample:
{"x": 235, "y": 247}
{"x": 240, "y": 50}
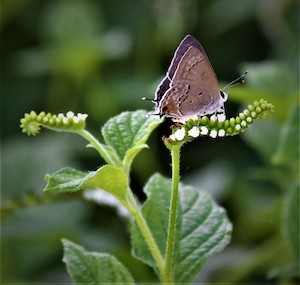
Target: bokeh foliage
{"x": 101, "y": 58}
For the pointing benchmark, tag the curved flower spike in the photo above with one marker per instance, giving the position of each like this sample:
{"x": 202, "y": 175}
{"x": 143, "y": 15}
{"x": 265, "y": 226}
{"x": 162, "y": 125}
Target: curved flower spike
{"x": 32, "y": 122}
{"x": 217, "y": 126}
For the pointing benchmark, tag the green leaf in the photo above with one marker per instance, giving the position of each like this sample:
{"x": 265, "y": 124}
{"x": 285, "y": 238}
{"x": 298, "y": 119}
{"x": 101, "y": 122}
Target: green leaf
{"x": 92, "y": 267}
{"x": 113, "y": 180}
{"x": 108, "y": 178}
{"x": 292, "y": 220}
{"x": 65, "y": 180}
{"x": 127, "y": 131}
{"x": 205, "y": 231}
{"x": 205, "y": 228}
{"x": 288, "y": 147}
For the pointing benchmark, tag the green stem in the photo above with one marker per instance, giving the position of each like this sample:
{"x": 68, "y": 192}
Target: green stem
{"x": 171, "y": 240}
{"x": 98, "y": 146}
{"x": 152, "y": 245}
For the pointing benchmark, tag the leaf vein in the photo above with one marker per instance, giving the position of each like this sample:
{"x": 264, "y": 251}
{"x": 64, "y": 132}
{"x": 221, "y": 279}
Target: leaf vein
{"x": 205, "y": 241}
{"x": 205, "y": 218}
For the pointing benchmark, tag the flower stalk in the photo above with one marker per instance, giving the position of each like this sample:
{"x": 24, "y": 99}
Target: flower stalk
{"x": 217, "y": 127}
{"x": 172, "y": 226}
{"x": 32, "y": 122}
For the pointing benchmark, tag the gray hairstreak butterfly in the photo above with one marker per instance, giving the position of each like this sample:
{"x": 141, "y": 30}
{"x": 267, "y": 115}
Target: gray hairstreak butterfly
{"x": 190, "y": 87}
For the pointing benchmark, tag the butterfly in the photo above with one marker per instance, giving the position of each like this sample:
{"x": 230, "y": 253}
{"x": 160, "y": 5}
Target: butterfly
{"x": 190, "y": 87}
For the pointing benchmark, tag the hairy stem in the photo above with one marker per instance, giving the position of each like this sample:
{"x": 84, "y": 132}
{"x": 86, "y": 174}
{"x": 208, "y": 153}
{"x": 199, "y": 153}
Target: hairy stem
{"x": 171, "y": 239}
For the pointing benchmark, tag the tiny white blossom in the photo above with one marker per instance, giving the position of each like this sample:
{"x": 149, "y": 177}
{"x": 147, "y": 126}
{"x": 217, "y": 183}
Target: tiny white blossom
{"x": 221, "y": 117}
{"x": 253, "y": 114}
{"x": 238, "y": 127}
{"x": 179, "y": 134}
{"x": 75, "y": 119}
{"x": 70, "y": 114}
{"x": 61, "y": 115}
{"x": 244, "y": 124}
{"x": 65, "y": 120}
{"x": 213, "y": 117}
{"x": 195, "y": 117}
{"x": 221, "y": 133}
{"x": 204, "y": 130}
{"x": 82, "y": 116}
{"x": 194, "y": 132}
{"x": 213, "y": 133}
{"x": 249, "y": 120}
{"x": 172, "y": 137}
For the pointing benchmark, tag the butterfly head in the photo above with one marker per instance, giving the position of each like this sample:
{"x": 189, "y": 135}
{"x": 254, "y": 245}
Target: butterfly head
{"x": 223, "y": 95}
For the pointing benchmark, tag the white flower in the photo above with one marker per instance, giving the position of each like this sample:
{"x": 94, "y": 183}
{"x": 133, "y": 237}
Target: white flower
{"x": 253, "y": 114}
{"x": 244, "y": 124}
{"x": 213, "y": 117}
{"x": 179, "y": 134}
{"x": 70, "y": 114}
{"x": 194, "y": 132}
{"x": 238, "y": 127}
{"x": 249, "y": 120}
{"x": 204, "y": 130}
{"x": 221, "y": 117}
{"x": 172, "y": 137}
{"x": 79, "y": 117}
{"x": 213, "y": 133}
{"x": 82, "y": 116}
{"x": 221, "y": 133}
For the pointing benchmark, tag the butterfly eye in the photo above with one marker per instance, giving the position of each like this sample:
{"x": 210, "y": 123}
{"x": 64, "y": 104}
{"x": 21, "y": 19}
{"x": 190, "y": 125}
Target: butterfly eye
{"x": 223, "y": 95}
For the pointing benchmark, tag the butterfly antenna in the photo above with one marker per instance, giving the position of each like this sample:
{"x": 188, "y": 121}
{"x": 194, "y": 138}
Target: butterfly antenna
{"x": 237, "y": 81}
{"x": 148, "y": 99}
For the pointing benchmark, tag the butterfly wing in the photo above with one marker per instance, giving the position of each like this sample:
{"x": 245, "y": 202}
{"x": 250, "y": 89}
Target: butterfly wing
{"x": 193, "y": 84}
{"x": 182, "y": 48}
{"x": 185, "y": 44}
{"x": 161, "y": 89}
{"x": 194, "y": 67}
{"x": 183, "y": 101}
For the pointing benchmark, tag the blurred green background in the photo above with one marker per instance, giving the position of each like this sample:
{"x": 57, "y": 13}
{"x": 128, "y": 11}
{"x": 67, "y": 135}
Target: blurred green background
{"x": 100, "y": 58}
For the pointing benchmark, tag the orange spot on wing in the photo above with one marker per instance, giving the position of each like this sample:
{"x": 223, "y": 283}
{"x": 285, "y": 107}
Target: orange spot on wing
{"x": 167, "y": 108}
